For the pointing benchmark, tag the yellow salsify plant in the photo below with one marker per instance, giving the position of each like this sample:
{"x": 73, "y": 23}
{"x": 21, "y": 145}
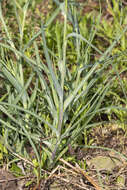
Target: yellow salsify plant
{"x": 59, "y": 105}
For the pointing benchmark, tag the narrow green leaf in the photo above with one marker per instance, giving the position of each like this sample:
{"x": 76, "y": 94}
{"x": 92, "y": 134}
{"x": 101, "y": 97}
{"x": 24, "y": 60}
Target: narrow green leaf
{"x": 55, "y": 81}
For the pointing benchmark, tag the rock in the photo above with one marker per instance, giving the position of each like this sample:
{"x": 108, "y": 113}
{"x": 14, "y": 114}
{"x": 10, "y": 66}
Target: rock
{"x": 104, "y": 163}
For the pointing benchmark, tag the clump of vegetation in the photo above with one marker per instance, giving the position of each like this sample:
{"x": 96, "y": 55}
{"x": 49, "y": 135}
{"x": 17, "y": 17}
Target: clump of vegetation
{"x": 61, "y": 71}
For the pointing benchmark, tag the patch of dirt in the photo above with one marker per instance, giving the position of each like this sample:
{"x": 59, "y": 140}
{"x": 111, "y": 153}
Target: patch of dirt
{"x": 107, "y": 163}
{"x": 7, "y": 181}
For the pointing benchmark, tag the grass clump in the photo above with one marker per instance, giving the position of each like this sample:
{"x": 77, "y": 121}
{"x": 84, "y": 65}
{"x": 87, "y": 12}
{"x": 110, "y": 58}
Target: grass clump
{"x": 57, "y": 80}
